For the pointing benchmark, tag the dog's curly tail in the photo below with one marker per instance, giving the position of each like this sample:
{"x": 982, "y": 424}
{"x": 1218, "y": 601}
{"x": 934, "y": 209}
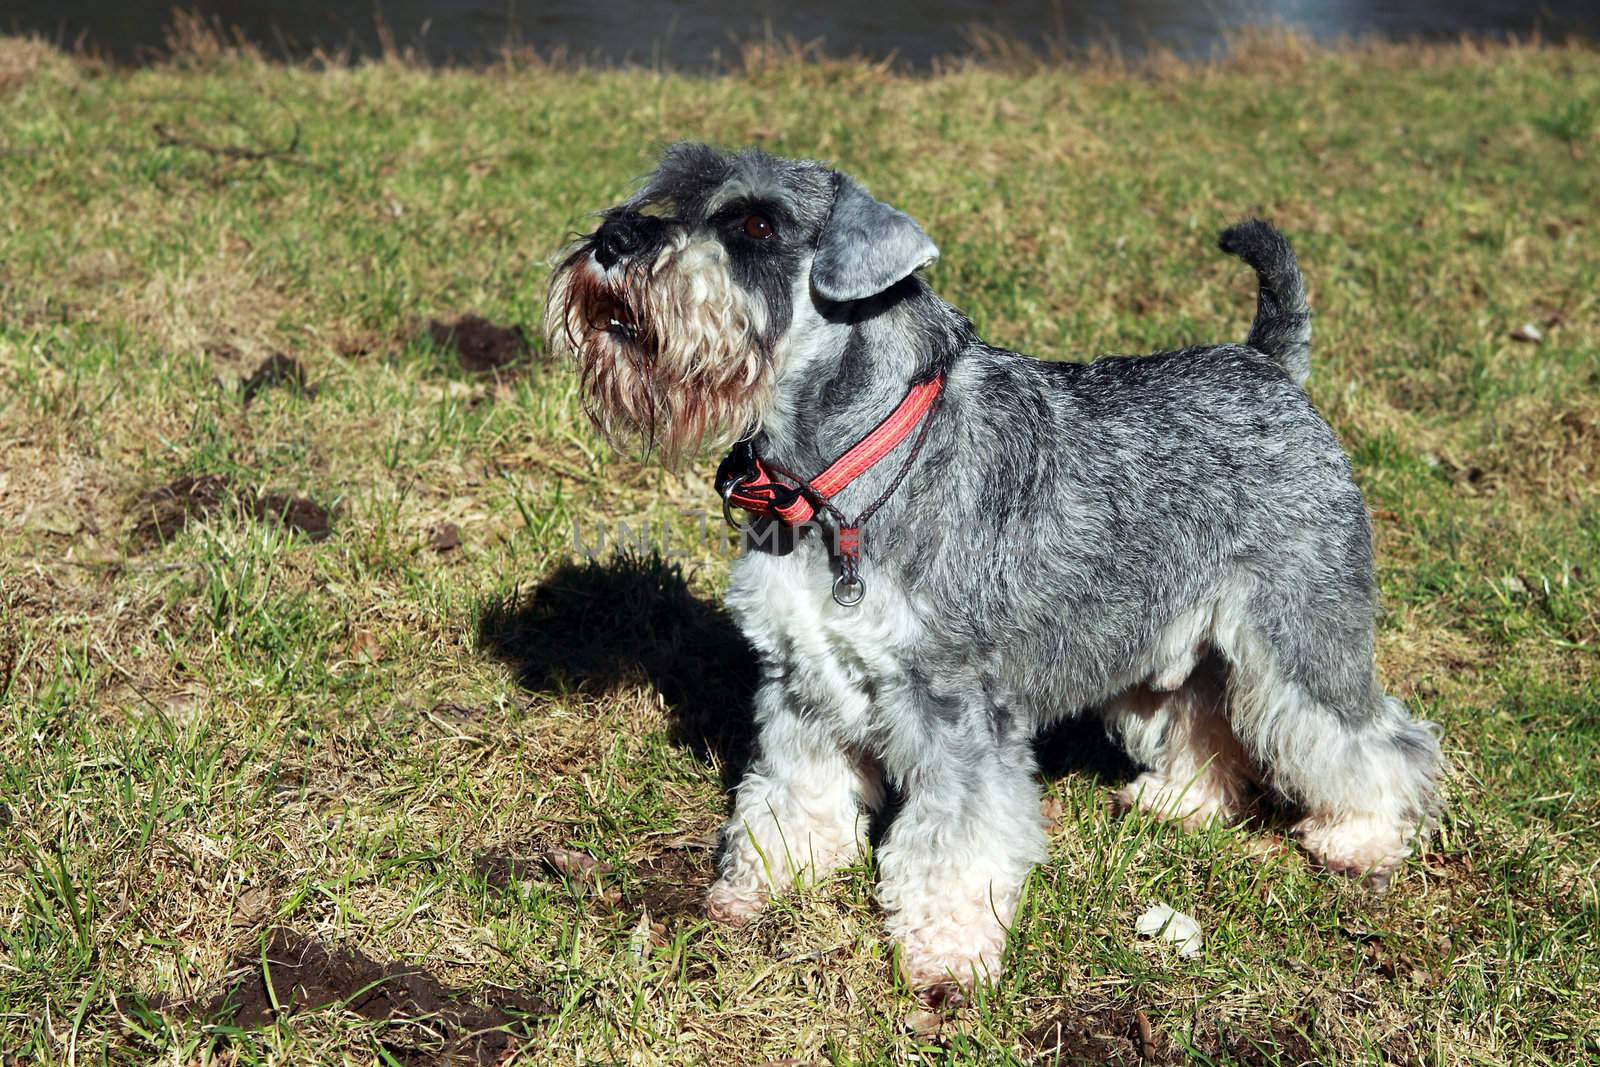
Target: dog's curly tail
{"x": 1282, "y": 329}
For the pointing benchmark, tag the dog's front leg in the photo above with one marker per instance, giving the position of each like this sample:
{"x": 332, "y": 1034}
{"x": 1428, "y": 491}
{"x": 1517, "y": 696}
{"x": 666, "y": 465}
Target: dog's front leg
{"x": 798, "y": 815}
{"x": 952, "y": 868}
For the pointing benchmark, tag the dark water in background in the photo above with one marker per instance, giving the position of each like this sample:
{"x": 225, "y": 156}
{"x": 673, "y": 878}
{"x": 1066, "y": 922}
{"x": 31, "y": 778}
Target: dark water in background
{"x": 696, "y": 34}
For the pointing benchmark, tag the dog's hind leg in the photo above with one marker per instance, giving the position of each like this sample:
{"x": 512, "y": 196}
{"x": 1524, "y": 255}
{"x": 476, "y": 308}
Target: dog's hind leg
{"x": 1307, "y": 707}
{"x": 1196, "y": 770}
{"x": 799, "y": 814}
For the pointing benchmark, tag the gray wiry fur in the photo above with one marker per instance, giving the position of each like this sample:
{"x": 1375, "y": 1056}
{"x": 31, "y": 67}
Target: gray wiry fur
{"x": 1174, "y": 540}
{"x": 866, "y": 246}
{"x": 1282, "y": 328}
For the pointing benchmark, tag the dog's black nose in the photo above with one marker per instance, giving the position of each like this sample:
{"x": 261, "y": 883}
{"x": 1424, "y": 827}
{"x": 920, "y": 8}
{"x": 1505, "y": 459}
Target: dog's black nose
{"x": 621, "y": 235}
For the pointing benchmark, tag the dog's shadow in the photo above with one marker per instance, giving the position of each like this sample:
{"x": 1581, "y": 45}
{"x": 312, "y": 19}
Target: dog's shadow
{"x": 598, "y": 625}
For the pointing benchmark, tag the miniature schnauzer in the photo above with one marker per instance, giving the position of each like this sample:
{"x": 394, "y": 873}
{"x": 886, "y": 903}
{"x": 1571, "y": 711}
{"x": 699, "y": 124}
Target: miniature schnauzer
{"x": 1172, "y": 540}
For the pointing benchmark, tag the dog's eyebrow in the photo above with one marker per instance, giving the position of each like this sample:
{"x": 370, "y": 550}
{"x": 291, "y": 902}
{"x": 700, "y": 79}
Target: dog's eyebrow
{"x": 744, "y": 190}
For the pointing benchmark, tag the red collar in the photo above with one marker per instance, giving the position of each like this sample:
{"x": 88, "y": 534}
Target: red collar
{"x": 746, "y": 481}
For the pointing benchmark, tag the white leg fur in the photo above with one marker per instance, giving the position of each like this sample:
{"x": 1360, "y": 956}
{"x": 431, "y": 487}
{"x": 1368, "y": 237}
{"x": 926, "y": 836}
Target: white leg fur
{"x": 1197, "y": 770}
{"x": 1367, "y": 846}
{"x": 798, "y": 815}
{"x": 952, "y": 869}
{"x": 1363, "y": 822}
{"x": 1366, "y": 775}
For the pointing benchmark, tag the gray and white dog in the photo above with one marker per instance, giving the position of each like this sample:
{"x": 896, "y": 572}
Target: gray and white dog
{"x": 1174, "y": 540}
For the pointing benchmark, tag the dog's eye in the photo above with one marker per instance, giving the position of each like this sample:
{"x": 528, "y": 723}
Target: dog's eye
{"x": 758, "y": 227}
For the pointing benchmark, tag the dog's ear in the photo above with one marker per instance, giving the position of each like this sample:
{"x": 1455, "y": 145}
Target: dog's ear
{"x": 866, "y": 246}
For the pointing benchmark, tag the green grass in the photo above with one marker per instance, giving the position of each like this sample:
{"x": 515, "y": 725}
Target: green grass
{"x": 369, "y": 741}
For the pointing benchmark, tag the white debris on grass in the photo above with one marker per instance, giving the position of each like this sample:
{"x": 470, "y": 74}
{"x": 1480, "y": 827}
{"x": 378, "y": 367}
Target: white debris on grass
{"x": 1171, "y": 925}
{"x": 641, "y": 938}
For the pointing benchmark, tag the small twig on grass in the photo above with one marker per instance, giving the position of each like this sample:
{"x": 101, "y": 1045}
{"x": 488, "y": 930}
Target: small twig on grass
{"x": 10, "y": 658}
{"x": 288, "y": 153}
{"x": 810, "y": 957}
{"x": 177, "y": 137}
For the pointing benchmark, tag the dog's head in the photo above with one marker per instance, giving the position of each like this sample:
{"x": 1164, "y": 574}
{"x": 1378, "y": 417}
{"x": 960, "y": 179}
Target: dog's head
{"x": 684, "y": 307}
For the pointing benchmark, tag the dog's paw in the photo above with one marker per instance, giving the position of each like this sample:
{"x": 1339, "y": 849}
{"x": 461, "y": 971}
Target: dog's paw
{"x": 1361, "y": 847}
{"x": 943, "y": 964}
{"x": 943, "y": 997}
{"x": 1193, "y": 805}
{"x": 733, "y": 905}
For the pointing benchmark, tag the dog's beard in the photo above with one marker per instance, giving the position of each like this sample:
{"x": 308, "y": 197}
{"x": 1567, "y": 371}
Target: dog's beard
{"x": 669, "y": 350}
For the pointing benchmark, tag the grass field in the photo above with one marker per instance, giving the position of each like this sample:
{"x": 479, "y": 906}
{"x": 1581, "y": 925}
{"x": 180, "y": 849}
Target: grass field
{"x": 319, "y": 744}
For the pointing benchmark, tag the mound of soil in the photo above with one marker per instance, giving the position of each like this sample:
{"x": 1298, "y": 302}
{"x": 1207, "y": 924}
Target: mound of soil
{"x": 276, "y": 370}
{"x": 480, "y": 345}
{"x": 160, "y": 514}
{"x": 295, "y": 512}
{"x": 433, "y": 1023}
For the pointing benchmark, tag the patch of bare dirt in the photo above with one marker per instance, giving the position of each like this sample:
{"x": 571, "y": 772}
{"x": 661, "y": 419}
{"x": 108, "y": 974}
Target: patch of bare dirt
{"x": 672, "y": 885}
{"x": 500, "y": 869}
{"x": 295, "y": 512}
{"x": 480, "y": 345}
{"x": 222, "y": 352}
{"x": 433, "y": 1023}
{"x": 160, "y": 514}
{"x": 1126, "y": 1036}
{"x": 446, "y": 537}
{"x": 1105, "y": 1036}
{"x": 277, "y": 370}
{"x": 357, "y": 345}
